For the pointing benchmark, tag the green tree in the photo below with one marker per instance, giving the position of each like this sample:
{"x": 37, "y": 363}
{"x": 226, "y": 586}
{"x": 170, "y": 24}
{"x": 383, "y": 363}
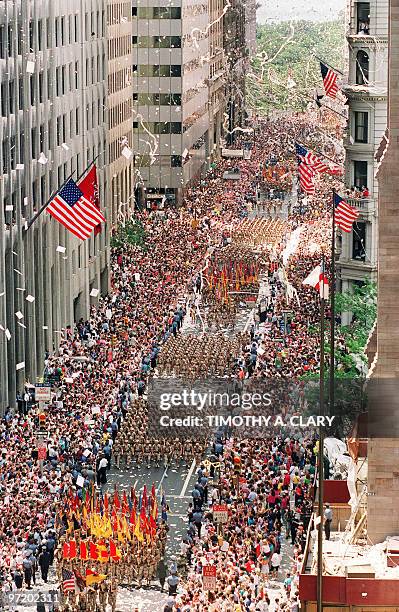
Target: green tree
{"x": 132, "y": 232}
{"x": 362, "y": 303}
{"x": 285, "y": 70}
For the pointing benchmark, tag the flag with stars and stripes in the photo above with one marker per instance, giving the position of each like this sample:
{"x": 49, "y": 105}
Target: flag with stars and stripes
{"x": 345, "y": 215}
{"x": 306, "y": 176}
{"x": 329, "y": 80}
{"x": 315, "y": 163}
{"x": 73, "y": 209}
{"x": 68, "y": 580}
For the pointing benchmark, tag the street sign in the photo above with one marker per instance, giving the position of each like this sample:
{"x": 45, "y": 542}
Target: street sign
{"x": 42, "y": 393}
{"x": 209, "y": 577}
{"x": 220, "y": 513}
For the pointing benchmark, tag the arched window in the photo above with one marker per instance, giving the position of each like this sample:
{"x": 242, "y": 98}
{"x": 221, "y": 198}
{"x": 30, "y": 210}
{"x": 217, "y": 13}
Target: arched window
{"x": 362, "y": 68}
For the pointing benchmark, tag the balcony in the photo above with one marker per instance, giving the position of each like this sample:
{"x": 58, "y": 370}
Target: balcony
{"x": 363, "y": 204}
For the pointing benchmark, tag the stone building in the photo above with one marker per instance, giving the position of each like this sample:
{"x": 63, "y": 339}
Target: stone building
{"x": 120, "y": 170}
{"x": 366, "y": 90}
{"x": 53, "y": 69}
{"x": 383, "y": 445}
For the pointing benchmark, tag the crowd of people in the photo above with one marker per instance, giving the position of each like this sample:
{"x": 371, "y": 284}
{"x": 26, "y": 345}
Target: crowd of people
{"x": 101, "y": 369}
{"x": 267, "y": 488}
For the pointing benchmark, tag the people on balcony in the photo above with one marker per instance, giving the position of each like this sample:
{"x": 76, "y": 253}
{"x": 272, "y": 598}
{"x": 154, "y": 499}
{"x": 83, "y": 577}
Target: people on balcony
{"x": 358, "y": 193}
{"x": 364, "y": 27}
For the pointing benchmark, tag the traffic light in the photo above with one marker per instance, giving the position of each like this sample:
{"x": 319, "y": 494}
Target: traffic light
{"x": 42, "y": 421}
{"x": 237, "y": 465}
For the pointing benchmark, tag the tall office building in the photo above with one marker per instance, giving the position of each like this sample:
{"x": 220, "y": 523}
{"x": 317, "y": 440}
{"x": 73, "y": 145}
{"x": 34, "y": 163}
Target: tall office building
{"x": 366, "y": 91}
{"x": 53, "y": 124}
{"x": 188, "y": 68}
{"x": 120, "y": 171}
{"x": 237, "y": 57}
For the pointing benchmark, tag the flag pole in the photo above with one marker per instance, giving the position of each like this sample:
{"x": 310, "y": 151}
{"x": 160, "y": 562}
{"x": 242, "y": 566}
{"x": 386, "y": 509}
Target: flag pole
{"x": 332, "y": 322}
{"x": 322, "y": 155}
{"x": 327, "y": 107}
{"x": 321, "y": 460}
{"x": 329, "y": 65}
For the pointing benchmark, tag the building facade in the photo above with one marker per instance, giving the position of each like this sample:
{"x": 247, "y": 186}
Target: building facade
{"x": 188, "y": 88}
{"x": 53, "y": 124}
{"x": 383, "y": 478}
{"x": 366, "y": 90}
{"x": 237, "y": 54}
{"x": 120, "y": 170}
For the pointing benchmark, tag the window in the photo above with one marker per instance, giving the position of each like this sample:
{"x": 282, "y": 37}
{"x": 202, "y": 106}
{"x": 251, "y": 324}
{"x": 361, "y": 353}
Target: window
{"x": 59, "y": 133}
{"x": 62, "y": 30}
{"x": 2, "y": 42}
{"x": 360, "y": 174}
{"x": 31, "y": 35}
{"x": 175, "y": 71}
{"x": 359, "y": 241}
{"x": 361, "y": 126}
{"x": 48, "y": 33}
{"x": 41, "y": 89}
{"x": 175, "y": 99}
{"x": 144, "y": 13}
{"x": 57, "y": 32}
{"x": 134, "y": 40}
{"x": 40, "y": 34}
{"x": 157, "y": 12}
{"x": 362, "y": 68}
{"x": 163, "y": 71}
{"x": 175, "y": 161}
{"x": 175, "y": 127}
{"x": 11, "y": 100}
{"x": 363, "y": 18}
{"x": 175, "y": 42}
{"x": 161, "y": 12}
{"x": 3, "y": 98}
{"x": 135, "y": 96}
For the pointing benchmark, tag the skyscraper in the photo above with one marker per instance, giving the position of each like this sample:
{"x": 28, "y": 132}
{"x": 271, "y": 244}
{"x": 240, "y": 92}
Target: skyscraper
{"x": 120, "y": 171}
{"x": 53, "y": 124}
{"x": 188, "y": 89}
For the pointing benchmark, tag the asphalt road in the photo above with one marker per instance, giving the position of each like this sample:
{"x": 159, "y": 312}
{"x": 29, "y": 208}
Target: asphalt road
{"x": 175, "y": 482}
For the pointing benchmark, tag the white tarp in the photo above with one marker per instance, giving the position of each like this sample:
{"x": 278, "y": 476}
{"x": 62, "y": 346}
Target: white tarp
{"x": 338, "y": 457}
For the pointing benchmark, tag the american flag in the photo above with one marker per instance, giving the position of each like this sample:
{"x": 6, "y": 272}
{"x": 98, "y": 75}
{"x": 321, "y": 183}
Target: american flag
{"x": 310, "y": 159}
{"x": 329, "y": 80}
{"x": 74, "y": 210}
{"x": 345, "y": 215}
{"x": 68, "y": 580}
{"x": 315, "y": 163}
{"x": 306, "y": 176}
